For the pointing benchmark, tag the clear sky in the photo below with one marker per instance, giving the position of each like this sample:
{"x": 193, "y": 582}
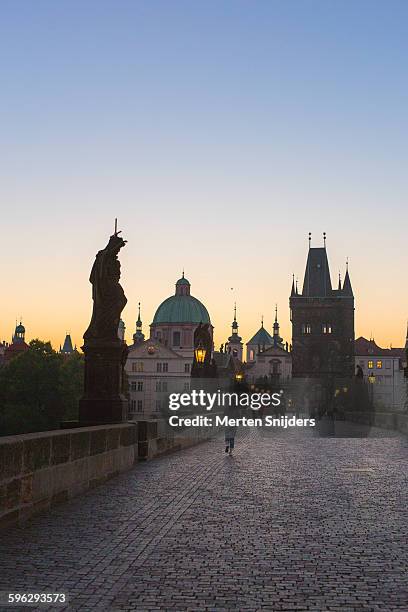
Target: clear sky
{"x": 219, "y": 133}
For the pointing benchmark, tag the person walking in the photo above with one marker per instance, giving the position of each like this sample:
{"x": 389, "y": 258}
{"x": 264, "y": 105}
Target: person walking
{"x": 230, "y": 432}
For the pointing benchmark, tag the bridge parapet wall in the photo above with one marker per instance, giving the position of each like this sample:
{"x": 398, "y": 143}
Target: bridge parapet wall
{"x": 40, "y": 469}
{"x": 157, "y": 437}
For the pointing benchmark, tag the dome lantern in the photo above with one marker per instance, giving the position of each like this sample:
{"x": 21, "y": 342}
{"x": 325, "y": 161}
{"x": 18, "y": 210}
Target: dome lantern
{"x": 183, "y": 286}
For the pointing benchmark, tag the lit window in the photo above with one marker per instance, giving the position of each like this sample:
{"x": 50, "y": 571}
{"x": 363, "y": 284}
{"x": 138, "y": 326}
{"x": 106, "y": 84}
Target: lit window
{"x": 327, "y": 328}
{"x": 379, "y": 364}
{"x": 251, "y": 355}
{"x": 370, "y": 365}
{"x": 306, "y": 328}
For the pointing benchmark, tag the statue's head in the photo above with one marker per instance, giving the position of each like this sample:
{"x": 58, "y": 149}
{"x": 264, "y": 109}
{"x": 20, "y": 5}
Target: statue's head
{"x": 116, "y": 242}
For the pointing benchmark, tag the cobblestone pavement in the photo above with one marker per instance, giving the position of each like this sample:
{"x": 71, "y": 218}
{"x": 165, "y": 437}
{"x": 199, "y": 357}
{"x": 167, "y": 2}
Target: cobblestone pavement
{"x": 291, "y": 522}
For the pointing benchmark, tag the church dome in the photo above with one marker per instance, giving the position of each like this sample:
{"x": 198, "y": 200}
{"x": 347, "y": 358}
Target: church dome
{"x": 181, "y": 307}
{"x": 20, "y": 329}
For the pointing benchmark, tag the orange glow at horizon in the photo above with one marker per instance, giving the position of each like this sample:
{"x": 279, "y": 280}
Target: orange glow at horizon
{"x": 53, "y": 294}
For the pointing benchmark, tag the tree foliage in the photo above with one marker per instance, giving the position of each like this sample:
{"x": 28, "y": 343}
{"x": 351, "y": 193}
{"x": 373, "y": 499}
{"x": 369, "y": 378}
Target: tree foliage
{"x": 39, "y": 389}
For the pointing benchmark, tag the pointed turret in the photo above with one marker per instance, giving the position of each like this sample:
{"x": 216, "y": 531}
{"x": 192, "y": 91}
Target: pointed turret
{"x": 276, "y": 324}
{"x": 317, "y": 281}
{"x": 277, "y": 340}
{"x": 347, "y": 290}
{"x": 67, "y": 347}
{"x": 293, "y": 292}
{"x": 339, "y": 286}
{"x": 138, "y": 336}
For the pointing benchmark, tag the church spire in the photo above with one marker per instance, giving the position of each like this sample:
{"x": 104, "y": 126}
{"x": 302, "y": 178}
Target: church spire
{"x": 347, "y": 290}
{"x": 234, "y": 323}
{"x": 139, "y": 320}
{"x": 138, "y": 336}
{"x": 234, "y": 344}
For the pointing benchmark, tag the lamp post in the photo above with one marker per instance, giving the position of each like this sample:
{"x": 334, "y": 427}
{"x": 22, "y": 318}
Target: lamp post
{"x": 371, "y": 380}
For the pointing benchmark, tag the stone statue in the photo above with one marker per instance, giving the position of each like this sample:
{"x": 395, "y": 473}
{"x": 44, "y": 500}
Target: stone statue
{"x": 104, "y": 399}
{"x": 108, "y": 296}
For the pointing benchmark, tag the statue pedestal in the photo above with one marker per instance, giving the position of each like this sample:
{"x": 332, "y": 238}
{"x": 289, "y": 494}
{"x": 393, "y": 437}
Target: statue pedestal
{"x": 103, "y": 400}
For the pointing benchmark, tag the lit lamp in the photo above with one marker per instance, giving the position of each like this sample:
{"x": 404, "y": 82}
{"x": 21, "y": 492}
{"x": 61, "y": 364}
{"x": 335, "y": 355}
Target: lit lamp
{"x": 200, "y": 354}
{"x": 371, "y": 378}
{"x": 239, "y": 377}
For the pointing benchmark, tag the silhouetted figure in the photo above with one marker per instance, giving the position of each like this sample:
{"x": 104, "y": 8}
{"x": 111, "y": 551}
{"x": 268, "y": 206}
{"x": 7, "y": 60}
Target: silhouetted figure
{"x": 108, "y": 296}
{"x": 105, "y": 353}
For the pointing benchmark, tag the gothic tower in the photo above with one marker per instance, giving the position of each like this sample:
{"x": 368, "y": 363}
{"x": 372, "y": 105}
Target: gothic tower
{"x": 322, "y": 322}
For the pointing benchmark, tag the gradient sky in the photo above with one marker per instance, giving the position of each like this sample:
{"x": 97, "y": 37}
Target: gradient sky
{"x": 219, "y": 133}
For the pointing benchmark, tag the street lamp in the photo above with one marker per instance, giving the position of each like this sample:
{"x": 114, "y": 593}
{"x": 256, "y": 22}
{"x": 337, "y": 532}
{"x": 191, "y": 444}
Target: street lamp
{"x": 239, "y": 377}
{"x": 371, "y": 380}
{"x": 200, "y": 354}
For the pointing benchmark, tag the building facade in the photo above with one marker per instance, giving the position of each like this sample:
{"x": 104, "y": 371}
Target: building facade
{"x": 162, "y": 364}
{"x": 154, "y": 371}
{"x": 383, "y": 370}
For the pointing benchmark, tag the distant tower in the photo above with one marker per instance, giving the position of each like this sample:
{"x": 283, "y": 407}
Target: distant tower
{"x": 18, "y": 344}
{"x": 138, "y": 336}
{"x": 277, "y": 340}
{"x": 19, "y": 334}
{"x": 121, "y": 330}
{"x": 322, "y": 322}
{"x": 67, "y": 348}
{"x": 234, "y": 344}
